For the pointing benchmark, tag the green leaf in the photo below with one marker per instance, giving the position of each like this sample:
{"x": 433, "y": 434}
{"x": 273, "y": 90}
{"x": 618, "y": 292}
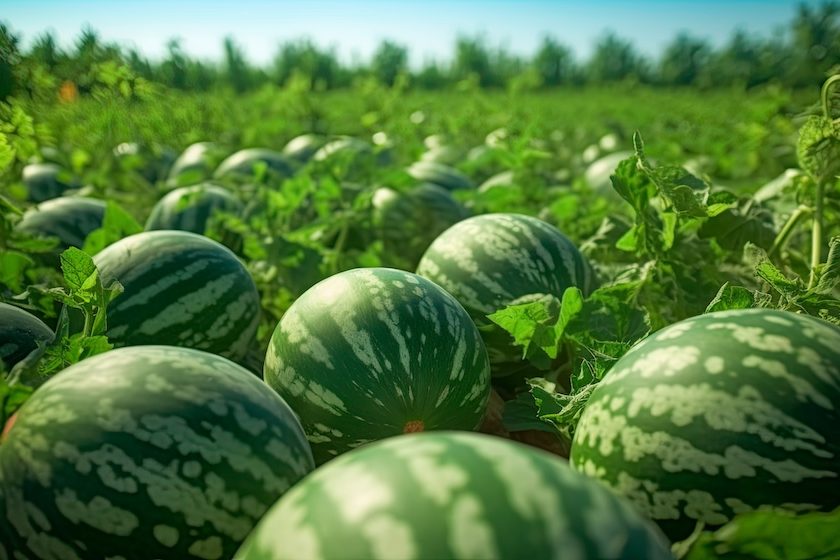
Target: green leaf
{"x": 12, "y": 267}
{"x": 629, "y": 242}
{"x": 522, "y": 413}
{"x": 12, "y": 398}
{"x": 7, "y": 154}
{"x": 631, "y": 184}
{"x": 532, "y": 324}
{"x": 733, "y": 297}
{"x": 734, "y": 227}
{"x": 79, "y": 271}
{"x": 771, "y": 535}
{"x": 830, "y": 271}
{"x": 570, "y": 306}
{"x": 818, "y": 148}
{"x": 116, "y": 224}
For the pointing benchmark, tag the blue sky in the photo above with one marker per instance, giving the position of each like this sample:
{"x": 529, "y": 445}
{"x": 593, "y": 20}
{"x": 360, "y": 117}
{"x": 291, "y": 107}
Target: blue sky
{"x": 427, "y": 27}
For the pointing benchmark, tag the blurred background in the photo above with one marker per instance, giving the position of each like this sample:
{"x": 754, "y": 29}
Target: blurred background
{"x": 70, "y": 48}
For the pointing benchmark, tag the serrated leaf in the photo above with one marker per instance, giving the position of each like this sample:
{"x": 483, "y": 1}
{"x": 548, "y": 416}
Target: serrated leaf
{"x": 732, "y": 228}
{"x": 818, "y": 149}
{"x": 771, "y": 535}
{"x": 78, "y": 269}
{"x": 732, "y": 297}
{"x": 532, "y": 325}
{"x": 629, "y": 242}
{"x": 830, "y": 271}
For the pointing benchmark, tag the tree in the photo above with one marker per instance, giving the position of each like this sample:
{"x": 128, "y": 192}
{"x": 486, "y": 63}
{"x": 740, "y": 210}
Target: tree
{"x": 431, "y": 76}
{"x": 389, "y": 61}
{"x": 554, "y": 63}
{"x": 173, "y": 70}
{"x": 683, "y": 60}
{"x": 615, "y": 59}
{"x": 816, "y": 43}
{"x": 473, "y": 58}
{"x": 745, "y": 61}
{"x": 9, "y": 58}
{"x": 45, "y": 51}
{"x": 236, "y": 66}
{"x": 304, "y": 58}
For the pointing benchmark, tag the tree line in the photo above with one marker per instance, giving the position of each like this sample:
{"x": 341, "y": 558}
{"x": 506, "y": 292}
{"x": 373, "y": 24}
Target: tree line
{"x": 800, "y": 55}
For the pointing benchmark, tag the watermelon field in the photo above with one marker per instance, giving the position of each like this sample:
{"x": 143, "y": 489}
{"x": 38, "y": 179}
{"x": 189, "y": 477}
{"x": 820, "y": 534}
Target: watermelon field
{"x": 591, "y": 321}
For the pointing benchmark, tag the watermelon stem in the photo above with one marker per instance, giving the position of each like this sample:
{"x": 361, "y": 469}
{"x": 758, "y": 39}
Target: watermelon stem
{"x": 413, "y": 426}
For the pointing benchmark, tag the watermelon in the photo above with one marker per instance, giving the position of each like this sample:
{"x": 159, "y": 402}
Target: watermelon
{"x": 146, "y": 452}
{"x": 598, "y": 173}
{"x": 370, "y": 353}
{"x": 190, "y": 208}
{"x": 446, "y": 155}
{"x": 439, "y": 174}
{"x": 487, "y": 262}
{"x": 181, "y": 289}
{"x": 44, "y": 181}
{"x": 20, "y": 334}
{"x": 719, "y": 414}
{"x": 451, "y": 495}
{"x": 302, "y": 148}
{"x": 151, "y": 162}
{"x": 68, "y": 218}
{"x": 192, "y": 165}
{"x": 408, "y": 222}
{"x": 342, "y": 146}
{"x": 503, "y": 179}
{"x": 241, "y": 165}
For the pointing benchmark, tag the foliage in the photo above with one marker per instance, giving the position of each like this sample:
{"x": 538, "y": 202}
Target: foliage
{"x": 800, "y": 57}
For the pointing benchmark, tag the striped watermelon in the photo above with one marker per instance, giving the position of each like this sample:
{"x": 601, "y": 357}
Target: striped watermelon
{"x": 146, "y": 452}
{"x": 370, "y": 353}
{"x": 68, "y": 218}
{"x": 190, "y": 208}
{"x": 45, "y": 181}
{"x": 341, "y": 147}
{"x": 487, "y": 262}
{"x": 20, "y": 334}
{"x": 181, "y": 289}
{"x": 302, "y": 148}
{"x": 408, "y": 222}
{"x": 439, "y": 174}
{"x": 451, "y": 495}
{"x": 719, "y": 414}
{"x": 240, "y": 166}
{"x": 193, "y": 164}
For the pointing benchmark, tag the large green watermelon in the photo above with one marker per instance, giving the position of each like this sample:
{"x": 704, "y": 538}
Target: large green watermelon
{"x": 488, "y": 262}
{"x": 719, "y": 414}
{"x": 451, "y": 495}
{"x": 193, "y": 164}
{"x": 242, "y": 164}
{"x": 370, "y": 353}
{"x": 302, "y": 148}
{"x": 181, "y": 289}
{"x": 439, "y": 174}
{"x": 190, "y": 208}
{"x": 20, "y": 334}
{"x": 45, "y": 181}
{"x": 409, "y": 221}
{"x": 146, "y": 452}
{"x": 69, "y": 218}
